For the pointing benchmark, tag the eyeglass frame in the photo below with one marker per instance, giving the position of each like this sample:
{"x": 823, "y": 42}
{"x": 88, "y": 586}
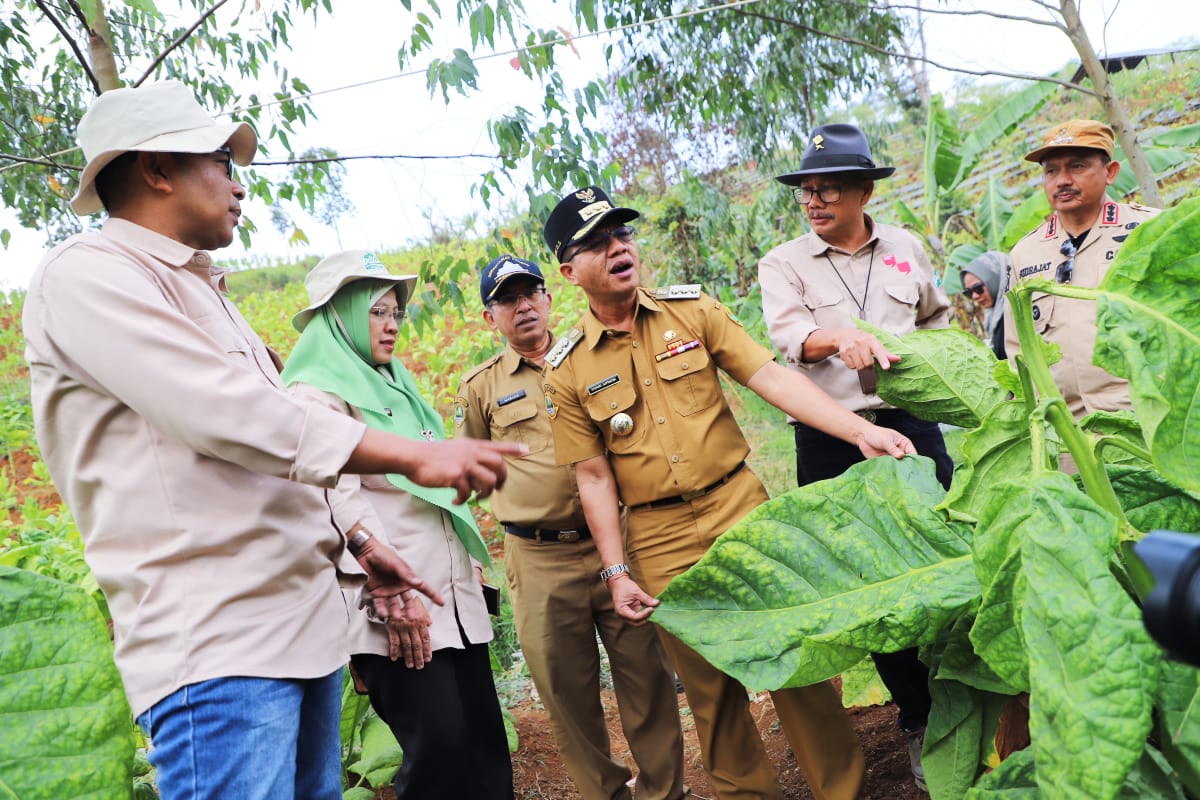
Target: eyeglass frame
{"x": 228, "y": 151}
{"x": 1066, "y": 270}
{"x": 512, "y": 300}
{"x": 380, "y": 313}
{"x": 599, "y": 240}
{"x": 976, "y": 290}
{"x": 798, "y": 193}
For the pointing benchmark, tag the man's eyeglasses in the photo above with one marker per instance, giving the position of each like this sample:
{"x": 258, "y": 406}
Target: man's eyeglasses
{"x": 976, "y": 290}
{"x": 384, "y": 314}
{"x": 228, "y": 162}
{"x": 827, "y": 194}
{"x": 1066, "y": 268}
{"x": 510, "y": 301}
{"x": 600, "y": 239}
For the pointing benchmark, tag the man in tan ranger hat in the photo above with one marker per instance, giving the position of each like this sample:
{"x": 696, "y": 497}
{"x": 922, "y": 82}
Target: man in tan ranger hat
{"x": 551, "y": 562}
{"x": 197, "y": 483}
{"x": 636, "y": 404}
{"x": 1075, "y": 245}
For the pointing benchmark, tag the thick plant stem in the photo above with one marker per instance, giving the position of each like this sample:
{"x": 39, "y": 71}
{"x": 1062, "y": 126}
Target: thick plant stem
{"x": 1091, "y": 471}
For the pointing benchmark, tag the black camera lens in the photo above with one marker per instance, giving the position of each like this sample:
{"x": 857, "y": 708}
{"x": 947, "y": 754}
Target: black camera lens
{"x": 1172, "y": 609}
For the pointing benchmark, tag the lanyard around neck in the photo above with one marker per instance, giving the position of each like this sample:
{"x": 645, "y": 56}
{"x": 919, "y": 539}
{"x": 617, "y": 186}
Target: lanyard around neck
{"x": 862, "y": 307}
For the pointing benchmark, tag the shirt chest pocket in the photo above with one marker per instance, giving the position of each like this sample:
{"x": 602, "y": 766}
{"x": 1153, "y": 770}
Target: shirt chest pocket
{"x": 1043, "y": 312}
{"x": 905, "y": 294}
{"x": 688, "y": 381}
{"x": 604, "y": 408}
{"x": 519, "y": 422}
{"x": 235, "y": 346}
{"x": 826, "y": 307}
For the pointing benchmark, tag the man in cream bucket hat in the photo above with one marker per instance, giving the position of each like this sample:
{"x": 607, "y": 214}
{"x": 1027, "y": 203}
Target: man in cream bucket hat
{"x": 196, "y": 481}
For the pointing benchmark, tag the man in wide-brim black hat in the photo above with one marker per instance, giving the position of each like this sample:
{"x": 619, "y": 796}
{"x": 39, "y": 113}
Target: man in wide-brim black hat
{"x": 813, "y": 288}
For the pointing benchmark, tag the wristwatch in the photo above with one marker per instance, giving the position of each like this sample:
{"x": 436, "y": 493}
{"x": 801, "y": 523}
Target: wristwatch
{"x": 356, "y": 541}
{"x": 609, "y": 573}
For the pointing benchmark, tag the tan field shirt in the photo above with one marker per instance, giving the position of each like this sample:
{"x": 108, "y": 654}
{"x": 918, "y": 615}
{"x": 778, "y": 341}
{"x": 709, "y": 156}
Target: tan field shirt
{"x": 1069, "y": 322}
{"x": 162, "y": 419}
{"x": 503, "y": 399}
{"x": 422, "y": 534}
{"x": 683, "y": 436}
{"x": 807, "y": 284}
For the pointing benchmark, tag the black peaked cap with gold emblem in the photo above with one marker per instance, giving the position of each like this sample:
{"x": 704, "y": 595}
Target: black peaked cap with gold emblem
{"x": 840, "y": 147}
{"x": 578, "y": 214}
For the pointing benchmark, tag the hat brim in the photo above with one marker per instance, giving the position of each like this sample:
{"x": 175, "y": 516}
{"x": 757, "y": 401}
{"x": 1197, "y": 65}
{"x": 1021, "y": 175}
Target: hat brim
{"x": 404, "y": 283}
{"x": 241, "y": 138}
{"x": 619, "y": 214}
{"x": 1036, "y": 156}
{"x": 795, "y": 178}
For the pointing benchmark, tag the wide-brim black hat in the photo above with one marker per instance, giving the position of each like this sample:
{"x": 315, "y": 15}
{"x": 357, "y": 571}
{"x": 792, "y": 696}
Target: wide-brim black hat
{"x": 840, "y": 147}
{"x": 577, "y": 215}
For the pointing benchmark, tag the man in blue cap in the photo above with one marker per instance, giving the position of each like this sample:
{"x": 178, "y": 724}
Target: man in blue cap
{"x": 551, "y": 563}
{"x": 813, "y": 288}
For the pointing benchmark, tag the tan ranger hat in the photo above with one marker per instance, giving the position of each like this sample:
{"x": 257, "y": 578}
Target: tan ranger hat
{"x": 159, "y": 117}
{"x": 1076, "y": 133}
{"x": 339, "y": 269}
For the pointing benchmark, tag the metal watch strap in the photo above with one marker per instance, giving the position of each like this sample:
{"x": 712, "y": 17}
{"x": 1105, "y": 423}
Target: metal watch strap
{"x": 356, "y": 541}
{"x": 608, "y": 573}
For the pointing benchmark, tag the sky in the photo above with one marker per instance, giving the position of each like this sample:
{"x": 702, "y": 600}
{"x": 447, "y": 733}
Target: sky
{"x": 395, "y": 200}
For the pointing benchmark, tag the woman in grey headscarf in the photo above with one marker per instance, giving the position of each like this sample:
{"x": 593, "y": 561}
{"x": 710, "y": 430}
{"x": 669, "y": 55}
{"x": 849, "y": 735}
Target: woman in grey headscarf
{"x": 983, "y": 281}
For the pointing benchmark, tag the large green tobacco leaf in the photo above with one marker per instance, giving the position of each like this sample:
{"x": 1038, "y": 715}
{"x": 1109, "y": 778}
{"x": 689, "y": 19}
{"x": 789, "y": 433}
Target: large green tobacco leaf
{"x": 952, "y": 740}
{"x": 1151, "y": 502}
{"x": 962, "y": 664}
{"x": 1014, "y": 779}
{"x": 66, "y": 730}
{"x": 999, "y": 451}
{"x": 997, "y": 634}
{"x": 1178, "y": 721}
{"x": 942, "y": 375}
{"x": 1149, "y": 332}
{"x": 1092, "y": 666}
{"x": 810, "y": 581}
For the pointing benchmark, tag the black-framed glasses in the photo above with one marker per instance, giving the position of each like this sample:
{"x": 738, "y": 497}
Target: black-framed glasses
{"x": 228, "y": 153}
{"x": 510, "y": 301}
{"x": 976, "y": 290}
{"x": 827, "y": 194}
{"x": 383, "y": 314}
{"x": 1067, "y": 268}
{"x": 600, "y": 239}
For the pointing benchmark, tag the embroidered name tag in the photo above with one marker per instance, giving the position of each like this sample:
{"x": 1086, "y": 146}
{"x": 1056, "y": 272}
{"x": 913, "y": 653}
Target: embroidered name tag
{"x": 510, "y": 398}
{"x": 1027, "y": 271}
{"x": 600, "y": 386}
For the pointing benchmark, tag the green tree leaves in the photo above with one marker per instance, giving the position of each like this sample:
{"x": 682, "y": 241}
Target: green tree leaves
{"x": 66, "y": 731}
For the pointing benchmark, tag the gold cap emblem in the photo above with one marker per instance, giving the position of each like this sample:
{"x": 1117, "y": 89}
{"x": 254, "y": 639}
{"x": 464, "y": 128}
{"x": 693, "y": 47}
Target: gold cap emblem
{"x": 819, "y": 142}
{"x": 587, "y": 195}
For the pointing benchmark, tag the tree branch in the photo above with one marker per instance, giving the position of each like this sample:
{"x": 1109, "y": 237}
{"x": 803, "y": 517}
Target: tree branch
{"x": 46, "y": 161}
{"x": 976, "y": 12}
{"x": 79, "y": 56}
{"x": 892, "y": 54}
{"x": 179, "y": 41}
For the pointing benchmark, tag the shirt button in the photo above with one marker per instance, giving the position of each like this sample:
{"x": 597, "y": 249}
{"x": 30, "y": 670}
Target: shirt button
{"x": 635, "y": 344}
{"x": 612, "y": 405}
{"x": 683, "y": 365}
{"x": 661, "y": 420}
{"x": 647, "y": 381}
{"x": 675, "y": 459}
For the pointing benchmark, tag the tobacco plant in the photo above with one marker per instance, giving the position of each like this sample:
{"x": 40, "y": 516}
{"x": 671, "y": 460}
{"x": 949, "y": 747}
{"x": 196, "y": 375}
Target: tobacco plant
{"x": 1018, "y": 581}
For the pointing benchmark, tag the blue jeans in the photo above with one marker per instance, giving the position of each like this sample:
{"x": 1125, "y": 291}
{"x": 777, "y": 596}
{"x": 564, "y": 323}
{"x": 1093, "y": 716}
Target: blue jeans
{"x": 249, "y": 738}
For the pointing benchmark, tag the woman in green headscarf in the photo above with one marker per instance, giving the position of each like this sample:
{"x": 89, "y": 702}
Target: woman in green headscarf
{"x": 439, "y": 699}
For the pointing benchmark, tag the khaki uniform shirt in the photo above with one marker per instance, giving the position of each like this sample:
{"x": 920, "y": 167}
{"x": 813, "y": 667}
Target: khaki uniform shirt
{"x": 684, "y": 436}
{"x": 808, "y": 284}
{"x": 165, "y": 427}
{"x": 424, "y": 536}
{"x": 1069, "y": 322}
{"x": 503, "y": 400}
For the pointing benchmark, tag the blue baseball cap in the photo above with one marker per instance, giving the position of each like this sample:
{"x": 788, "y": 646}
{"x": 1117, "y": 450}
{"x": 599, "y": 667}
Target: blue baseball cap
{"x": 502, "y": 268}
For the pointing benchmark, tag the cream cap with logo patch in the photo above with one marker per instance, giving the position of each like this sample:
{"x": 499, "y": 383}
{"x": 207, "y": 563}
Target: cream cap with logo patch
{"x": 333, "y": 272}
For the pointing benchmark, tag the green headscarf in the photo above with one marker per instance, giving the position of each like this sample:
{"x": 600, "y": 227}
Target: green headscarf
{"x": 333, "y": 354}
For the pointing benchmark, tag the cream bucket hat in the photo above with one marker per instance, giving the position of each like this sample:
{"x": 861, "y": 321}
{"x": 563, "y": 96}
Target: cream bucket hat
{"x": 161, "y": 117}
{"x": 339, "y": 269}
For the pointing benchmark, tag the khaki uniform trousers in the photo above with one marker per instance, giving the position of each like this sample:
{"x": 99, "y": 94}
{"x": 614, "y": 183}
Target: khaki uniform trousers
{"x": 665, "y": 542}
{"x": 559, "y": 604}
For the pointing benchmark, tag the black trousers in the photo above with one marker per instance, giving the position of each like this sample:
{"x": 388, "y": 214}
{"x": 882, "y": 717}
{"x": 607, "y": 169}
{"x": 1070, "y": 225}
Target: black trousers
{"x": 820, "y": 456}
{"x": 448, "y": 722}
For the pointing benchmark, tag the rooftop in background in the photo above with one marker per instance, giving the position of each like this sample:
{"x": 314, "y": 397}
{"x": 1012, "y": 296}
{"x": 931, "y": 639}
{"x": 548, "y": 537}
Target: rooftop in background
{"x": 1122, "y": 61}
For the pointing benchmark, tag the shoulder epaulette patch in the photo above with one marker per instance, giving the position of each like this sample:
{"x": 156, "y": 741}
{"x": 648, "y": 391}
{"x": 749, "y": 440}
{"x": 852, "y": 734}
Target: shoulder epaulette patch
{"x": 679, "y": 291}
{"x": 1051, "y": 227}
{"x": 482, "y": 367}
{"x": 563, "y": 346}
{"x": 1110, "y": 214}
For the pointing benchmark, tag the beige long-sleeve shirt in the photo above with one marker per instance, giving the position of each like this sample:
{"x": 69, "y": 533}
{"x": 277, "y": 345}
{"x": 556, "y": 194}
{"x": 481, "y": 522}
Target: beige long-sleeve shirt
{"x": 166, "y": 429}
{"x": 807, "y": 284}
{"x": 422, "y": 534}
